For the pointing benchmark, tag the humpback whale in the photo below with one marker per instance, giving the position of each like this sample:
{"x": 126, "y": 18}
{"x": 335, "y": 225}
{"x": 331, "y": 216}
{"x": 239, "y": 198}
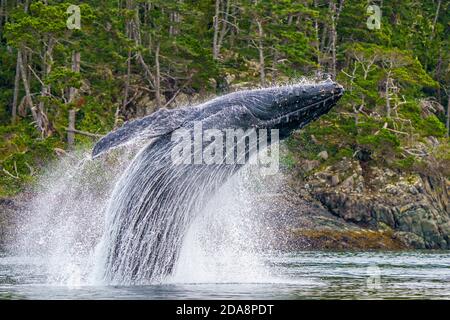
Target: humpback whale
{"x": 155, "y": 200}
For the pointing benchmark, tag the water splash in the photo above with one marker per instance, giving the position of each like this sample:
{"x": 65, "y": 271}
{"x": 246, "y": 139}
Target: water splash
{"x": 223, "y": 244}
{"x": 63, "y": 218}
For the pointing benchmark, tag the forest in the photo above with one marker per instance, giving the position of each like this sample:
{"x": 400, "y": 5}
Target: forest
{"x": 71, "y": 71}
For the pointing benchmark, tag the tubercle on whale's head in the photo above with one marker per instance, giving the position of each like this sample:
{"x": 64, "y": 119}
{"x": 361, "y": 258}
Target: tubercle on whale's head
{"x": 294, "y": 106}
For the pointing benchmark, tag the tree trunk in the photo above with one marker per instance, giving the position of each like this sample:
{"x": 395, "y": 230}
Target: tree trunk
{"x": 45, "y": 89}
{"x": 3, "y": 13}
{"x": 24, "y": 80}
{"x": 316, "y": 30}
{"x": 262, "y": 73}
{"x": 436, "y": 16}
{"x": 174, "y": 21}
{"x": 388, "y": 100}
{"x": 71, "y": 129}
{"x": 28, "y": 99}
{"x": 333, "y": 39}
{"x": 224, "y": 29}
{"x": 76, "y": 60}
{"x": 276, "y": 56}
{"x": 157, "y": 78}
{"x": 125, "y": 94}
{"x": 324, "y": 38}
{"x": 73, "y": 92}
{"x": 234, "y": 28}
{"x": 39, "y": 116}
{"x": 16, "y": 90}
{"x": 216, "y": 31}
{"x": 27, "y": 59}
{"x": 448, "y": 113}
{"x": 127, "y": 82}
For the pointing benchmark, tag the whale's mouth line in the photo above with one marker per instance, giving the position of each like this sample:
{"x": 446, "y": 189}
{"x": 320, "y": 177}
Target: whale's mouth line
{"x": 298, "y": 112}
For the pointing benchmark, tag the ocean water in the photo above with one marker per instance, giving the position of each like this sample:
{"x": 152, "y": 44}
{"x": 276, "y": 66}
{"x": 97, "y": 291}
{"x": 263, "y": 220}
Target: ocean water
{"x": 299, "y": 275}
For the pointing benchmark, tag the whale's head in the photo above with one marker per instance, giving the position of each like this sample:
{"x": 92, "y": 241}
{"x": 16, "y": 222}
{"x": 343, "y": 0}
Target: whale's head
{"x": 291, "y": 107}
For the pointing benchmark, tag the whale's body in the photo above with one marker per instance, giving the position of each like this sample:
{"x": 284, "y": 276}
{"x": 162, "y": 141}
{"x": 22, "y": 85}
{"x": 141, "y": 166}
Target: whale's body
{"x": 155, "y": 200}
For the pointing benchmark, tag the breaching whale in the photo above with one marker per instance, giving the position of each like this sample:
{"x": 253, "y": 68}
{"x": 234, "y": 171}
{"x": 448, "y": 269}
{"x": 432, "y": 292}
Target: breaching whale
{"x": 155, "y": 200}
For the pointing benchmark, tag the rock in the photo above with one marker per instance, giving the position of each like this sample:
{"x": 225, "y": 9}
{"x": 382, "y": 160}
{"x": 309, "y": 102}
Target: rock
{"x": 343, "y": 166}
{"x": 413, "y": 190}
{"x": 150, "y": 105}
{"x": 431, "y": 235}
{"x": 384, "y": 215}
{"x": 241, "y": 86}
{"x": 359, "y": 184}
{"x": 421, "y": 219}
{"x": 389, "y": 172}
{"x": 334, "y": 180}
{"x": 394, "y": 190}
{"x": 348, "y": 183}
{"x": 309, "y": 165}
{"x": 350, "y": 209}
{"x": 358, "y": 169}
{"x": 410, "y": 240}
{"x": 426, "y": 222}
{"x": 230, "y": 78}
{"x": 409, "y": 220}
{"x": 416, "y": 207}
{"x": 212, "y": 82}
{"x": 383, "y": 227}
{"x": 429, "y": 227}
{"x": 323, "y": 155}
{"x": 182, "y": 100}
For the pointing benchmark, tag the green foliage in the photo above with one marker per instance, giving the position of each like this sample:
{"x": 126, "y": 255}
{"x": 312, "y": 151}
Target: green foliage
{"x": 22, "y": 153}
{"x": 384, "y": 141}
{"x": 63, "y": 77}
{"x": 118, "y": 41}
{"x": 405, "y": 164}
{"x": 432, "y": 126}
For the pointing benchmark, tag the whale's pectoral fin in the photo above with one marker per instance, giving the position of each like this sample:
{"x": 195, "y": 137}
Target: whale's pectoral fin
{"x": 157, "y": 124}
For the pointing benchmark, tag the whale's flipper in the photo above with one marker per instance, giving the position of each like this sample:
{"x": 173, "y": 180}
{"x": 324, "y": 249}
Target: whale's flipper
{"x": 157, "y": 124}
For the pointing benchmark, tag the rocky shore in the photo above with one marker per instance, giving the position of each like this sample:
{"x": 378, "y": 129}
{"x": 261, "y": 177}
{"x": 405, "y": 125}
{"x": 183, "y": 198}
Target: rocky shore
{"x": 399, "y": 209}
